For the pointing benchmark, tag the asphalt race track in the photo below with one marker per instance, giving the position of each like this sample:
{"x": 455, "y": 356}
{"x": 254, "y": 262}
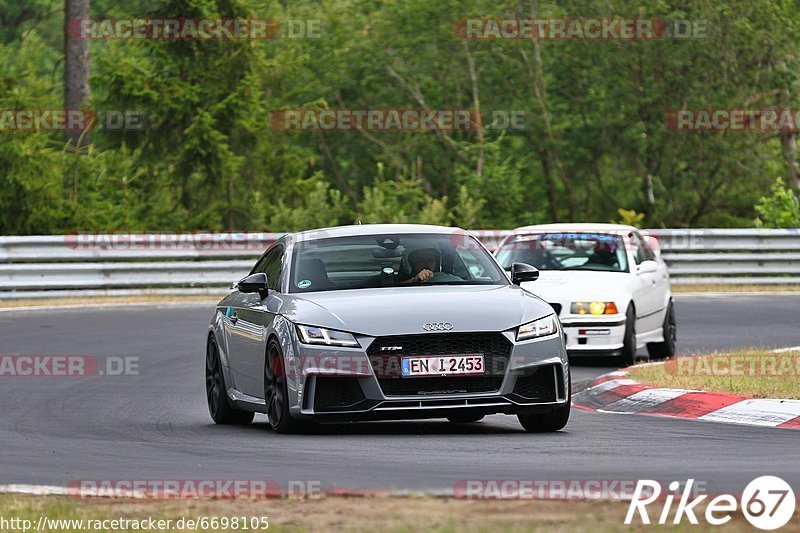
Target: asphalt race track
{"x": 156, "y": 425}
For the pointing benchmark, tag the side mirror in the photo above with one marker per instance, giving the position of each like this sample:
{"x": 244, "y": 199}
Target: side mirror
{"x": 523, "y": 272}
{"x": 647, "y": 267}
{"x": 255, "y": 283}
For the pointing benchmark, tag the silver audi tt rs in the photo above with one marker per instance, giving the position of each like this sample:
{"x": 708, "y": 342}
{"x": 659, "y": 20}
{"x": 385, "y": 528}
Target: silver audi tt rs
{"x": 375, "y": 322}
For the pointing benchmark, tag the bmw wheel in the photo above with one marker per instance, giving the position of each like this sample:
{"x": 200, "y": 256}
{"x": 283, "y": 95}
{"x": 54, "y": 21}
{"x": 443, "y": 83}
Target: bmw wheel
{"x": 219, "y": 407}
{"x": 667, "y": 347}
{"x": 629, "y": 341}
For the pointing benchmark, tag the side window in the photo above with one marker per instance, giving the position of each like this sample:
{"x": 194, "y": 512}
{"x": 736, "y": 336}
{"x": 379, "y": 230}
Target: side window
{"x": 260, "y": 264}
{"x": 641, "y": 250}
{"x": 271, "y": 264}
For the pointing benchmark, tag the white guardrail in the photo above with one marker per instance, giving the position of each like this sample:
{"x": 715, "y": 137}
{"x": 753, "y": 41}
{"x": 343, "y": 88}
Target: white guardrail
{"x": 197, "y": 263}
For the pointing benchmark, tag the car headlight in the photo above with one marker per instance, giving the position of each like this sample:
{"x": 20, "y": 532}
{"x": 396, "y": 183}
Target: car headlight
{"x": 593, "y": 308}
{"x": 538, "y": 328}
{"x": 326, "y": 337}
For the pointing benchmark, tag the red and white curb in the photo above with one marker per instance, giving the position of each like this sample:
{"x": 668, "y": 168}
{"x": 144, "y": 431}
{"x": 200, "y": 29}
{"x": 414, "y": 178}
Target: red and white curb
{"x": 55, "y": 490}
{"x": 615, "y": 393}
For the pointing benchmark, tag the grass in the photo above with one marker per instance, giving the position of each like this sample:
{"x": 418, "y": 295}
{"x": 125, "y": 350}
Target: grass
{"x": 754, "y": 373}
{"x": 113, "y": 300}
{"x": 362, "y": 514}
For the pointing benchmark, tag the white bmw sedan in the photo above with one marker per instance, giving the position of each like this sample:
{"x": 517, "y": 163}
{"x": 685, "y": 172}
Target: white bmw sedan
{"x": 609, "y": 287}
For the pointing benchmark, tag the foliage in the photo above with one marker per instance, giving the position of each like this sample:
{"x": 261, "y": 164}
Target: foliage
{"x": 401, "y": 200}
{"x": 594, "y": 145}
{"x": 781, "y": 209}
{"x": 629, "y": 217}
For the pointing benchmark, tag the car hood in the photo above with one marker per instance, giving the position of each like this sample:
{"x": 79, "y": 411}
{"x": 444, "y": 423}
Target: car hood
{"x": 581, "y": 285}
{"x": 404, "y": 310}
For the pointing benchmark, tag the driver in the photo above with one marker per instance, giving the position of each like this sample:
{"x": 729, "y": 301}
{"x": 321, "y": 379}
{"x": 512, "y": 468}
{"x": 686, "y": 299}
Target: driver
{"x": 604, "y": 254}
{"x": 424, "y": 262}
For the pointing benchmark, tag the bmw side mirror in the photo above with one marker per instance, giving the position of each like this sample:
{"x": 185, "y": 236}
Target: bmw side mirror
{"x": 523, "y": 272}
{"x": 647, "y": 267}
{"x": 255, "y": 283}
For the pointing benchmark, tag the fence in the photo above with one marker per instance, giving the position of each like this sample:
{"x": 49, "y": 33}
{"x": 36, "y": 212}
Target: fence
{"x": 44, "y": 266}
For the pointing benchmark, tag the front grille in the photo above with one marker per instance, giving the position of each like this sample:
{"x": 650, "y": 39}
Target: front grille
{"x": 494, "y": 347}
{"x": 538, "y": 385}
{"x": 556, "y": 308}
{"x": 439, "y": 385}
{"x": 336, "y": 393}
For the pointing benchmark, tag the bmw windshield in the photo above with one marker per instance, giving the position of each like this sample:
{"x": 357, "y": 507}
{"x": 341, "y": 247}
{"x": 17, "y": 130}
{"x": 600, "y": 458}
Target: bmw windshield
{"x": 566, "y": 251}
{"x": 391, "y": 260}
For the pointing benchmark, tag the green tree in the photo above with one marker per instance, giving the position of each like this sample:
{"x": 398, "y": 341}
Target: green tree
{"x": 780, "y": 209}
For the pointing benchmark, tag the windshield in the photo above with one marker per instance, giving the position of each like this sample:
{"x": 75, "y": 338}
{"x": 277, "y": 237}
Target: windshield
{"x": 391, "y": 260}
{"x": 566, "y": 251}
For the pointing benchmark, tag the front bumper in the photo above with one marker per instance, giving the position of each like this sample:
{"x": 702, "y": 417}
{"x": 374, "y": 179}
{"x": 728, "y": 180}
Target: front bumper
{"x": 590, "y": 335}
{"x": 346, "y": 384}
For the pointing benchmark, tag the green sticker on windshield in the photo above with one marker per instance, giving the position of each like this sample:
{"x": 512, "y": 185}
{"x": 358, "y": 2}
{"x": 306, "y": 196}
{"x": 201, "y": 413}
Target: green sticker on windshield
{"x": 304, "y": 284}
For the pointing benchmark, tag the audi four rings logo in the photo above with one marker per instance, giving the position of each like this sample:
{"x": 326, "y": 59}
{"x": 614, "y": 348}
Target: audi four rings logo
{"x": 437, "y": 326}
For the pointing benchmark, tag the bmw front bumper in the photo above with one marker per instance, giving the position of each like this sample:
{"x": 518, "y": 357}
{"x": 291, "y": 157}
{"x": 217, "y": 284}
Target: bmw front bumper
{"x": 590, "y": 335}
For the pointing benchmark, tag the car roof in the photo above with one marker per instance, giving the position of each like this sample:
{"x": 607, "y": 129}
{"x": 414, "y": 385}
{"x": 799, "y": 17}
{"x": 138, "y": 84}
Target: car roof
{"x": 371, "y": 229}
{"x": 588, "y": 227}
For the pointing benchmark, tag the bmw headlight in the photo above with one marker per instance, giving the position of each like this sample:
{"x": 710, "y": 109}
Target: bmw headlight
{"x": 538, "y": 328}
{"x": 593, "y": 308}
{"x": 326, "y": 337}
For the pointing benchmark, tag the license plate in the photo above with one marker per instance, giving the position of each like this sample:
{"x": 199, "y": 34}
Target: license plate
{"x": 442, "y": 365}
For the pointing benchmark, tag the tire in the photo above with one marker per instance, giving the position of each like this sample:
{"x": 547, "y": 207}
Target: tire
{"x": 276, "y": 393}
{"x": 464, "y": 418}
{"x": 219, "y": 407}
{"x": 665, "y": 349}
{"x": 555, "y": 420}
{"x": 629, "y": 341}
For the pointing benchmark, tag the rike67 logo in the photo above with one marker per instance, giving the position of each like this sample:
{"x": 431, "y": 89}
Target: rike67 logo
{"x": 768, "y": 503}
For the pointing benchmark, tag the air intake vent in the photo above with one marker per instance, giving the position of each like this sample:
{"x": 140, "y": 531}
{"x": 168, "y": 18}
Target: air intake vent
{"x": 537, "y": 385}
{"x": 337, "y": 394}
